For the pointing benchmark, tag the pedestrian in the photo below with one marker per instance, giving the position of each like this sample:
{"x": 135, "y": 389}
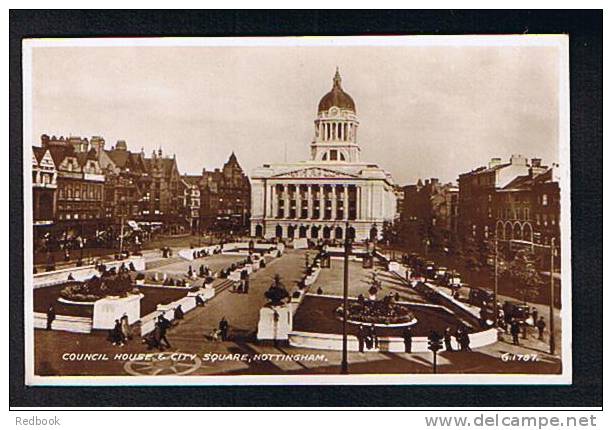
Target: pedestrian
{"x": 374, "y": 336}
{"x": 178, "y": 313}
{"x": 541, "y": 325}
{"x": 447, "y": 340}
{"x": 465, "y": 340}
{"x": 50, "y": 317}
{"x": 224, "y": 328}
{"x": 246, "y": 285}
{"x": 152, "y": 339}
{"x": 117, "y": 334}
{"x": 199, "y": 301}
{"x": 407, "y": 335}
{"x": 164, "y": 325}
{"x": 125, "y": 327}
{"x": 534, "y": 315}
{"x": 361, "y": 337}
{"x": 515, "y": 329}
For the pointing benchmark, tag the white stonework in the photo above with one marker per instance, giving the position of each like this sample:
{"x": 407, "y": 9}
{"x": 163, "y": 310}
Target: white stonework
{"x": 309, "y": 199}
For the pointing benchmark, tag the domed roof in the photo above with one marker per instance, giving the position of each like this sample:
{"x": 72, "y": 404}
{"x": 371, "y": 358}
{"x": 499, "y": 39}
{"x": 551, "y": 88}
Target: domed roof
{"x": 337, "y": 97}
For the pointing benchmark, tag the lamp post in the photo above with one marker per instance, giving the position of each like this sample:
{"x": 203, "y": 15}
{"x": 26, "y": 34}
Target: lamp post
{"x": 344, "y": 368}
{"x": 551, "y": 308}
{"x": 496, "y": 285}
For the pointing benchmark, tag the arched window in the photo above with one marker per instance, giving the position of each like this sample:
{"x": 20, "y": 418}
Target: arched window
{"x": 325, "y": 157}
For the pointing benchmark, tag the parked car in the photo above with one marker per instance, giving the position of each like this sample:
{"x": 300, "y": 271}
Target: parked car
{"x": 516, "y": 310}
{"x": 441, "y": 273}
{"x": 478, "y": 296}
{"x": 462, "y": 293}
{"x": 430, "y": 269}
{"x": 453, "y": 279}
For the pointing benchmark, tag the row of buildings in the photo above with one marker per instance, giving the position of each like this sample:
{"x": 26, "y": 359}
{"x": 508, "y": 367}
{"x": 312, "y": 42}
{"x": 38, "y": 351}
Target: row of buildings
{"x": 516, "y": 202}
{"x": 81, "y": 189}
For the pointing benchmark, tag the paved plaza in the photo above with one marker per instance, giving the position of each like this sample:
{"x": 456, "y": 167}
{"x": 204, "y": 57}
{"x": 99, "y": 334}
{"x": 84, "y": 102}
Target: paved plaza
{"x": 192, "y": 335}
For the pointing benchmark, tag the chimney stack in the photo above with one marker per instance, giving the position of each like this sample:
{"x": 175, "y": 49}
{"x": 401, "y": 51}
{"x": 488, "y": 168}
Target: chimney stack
{"x": 494, "y": 162}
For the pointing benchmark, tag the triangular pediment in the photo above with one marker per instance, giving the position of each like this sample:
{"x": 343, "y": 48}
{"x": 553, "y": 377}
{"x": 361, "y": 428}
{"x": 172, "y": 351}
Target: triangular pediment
{"x": 314, "y": 172}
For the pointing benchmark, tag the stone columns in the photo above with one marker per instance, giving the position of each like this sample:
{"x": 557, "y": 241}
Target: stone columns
{"x": 334, "y": 202}
{"x": 310, "y": 202}
{"x": 345, "y": 204}
{"x": 358, "y": 202}
{"x": 274, "y": 202}
{"x": 287, "y": 203}
{"x": 298, "y": 202}
{"x": 321, "y": 201}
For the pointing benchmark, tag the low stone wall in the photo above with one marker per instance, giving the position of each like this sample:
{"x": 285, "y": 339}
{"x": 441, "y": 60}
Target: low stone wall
{"x": 308, "y": 281}
{"x": 46, "y": 279}
{"x": 64, "y": 323}
{"x": 187, "y": 253}
{"x": 333, "y": 342}
{"x": 187, "y": 303}
{"x": 109, "y": 309}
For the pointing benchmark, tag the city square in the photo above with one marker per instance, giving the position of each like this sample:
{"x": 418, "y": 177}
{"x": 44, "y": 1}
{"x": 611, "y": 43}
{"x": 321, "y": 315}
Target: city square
{"x": 321, "y": 263}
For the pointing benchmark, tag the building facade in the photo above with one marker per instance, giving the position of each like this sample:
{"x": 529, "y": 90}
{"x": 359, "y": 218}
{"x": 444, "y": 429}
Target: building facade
{"x": 430, "y": 214}
{"x": 225, "y": 198}
{"x": 191, "y": 201}
{"x": 80, "y": 186}
{"x": 517, "y": 203}
{"x": 317, "y": 198}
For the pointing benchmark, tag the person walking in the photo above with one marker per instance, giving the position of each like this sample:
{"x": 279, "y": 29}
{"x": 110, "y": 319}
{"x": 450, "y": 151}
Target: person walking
{"x": 117, "y": 334}
{"x": 534, "y": 315}
{"x": 223, "y": 328}
{"x": 374, "y": 336}
{"x": 164, "y": 325}
{"x": 447, "y": 340}
{"x": 361, "y": 337}
{"x": 125, "y": 327}
{"x": 540, "y": 325}
{"x": 515, "y": 329}
{"x": 407, "y": 335}
{"x": 50, "y": 317}
{"x": 246, "y": 284}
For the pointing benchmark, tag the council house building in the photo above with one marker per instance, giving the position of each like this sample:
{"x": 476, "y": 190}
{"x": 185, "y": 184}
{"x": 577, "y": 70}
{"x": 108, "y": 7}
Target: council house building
{"x": 316, "y": 198}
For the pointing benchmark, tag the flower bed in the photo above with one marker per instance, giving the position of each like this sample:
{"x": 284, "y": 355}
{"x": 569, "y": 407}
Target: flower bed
{"x": 97, "y": 288}
{"x": 383, "y": 312}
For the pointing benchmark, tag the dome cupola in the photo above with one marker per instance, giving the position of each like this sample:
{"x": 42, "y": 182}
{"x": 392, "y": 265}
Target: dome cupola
{"x": 337, "y": 97}
{"x": 335, "y": 138}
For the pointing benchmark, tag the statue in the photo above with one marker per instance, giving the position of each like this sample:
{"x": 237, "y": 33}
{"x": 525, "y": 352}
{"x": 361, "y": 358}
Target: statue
{"x": 277, "y": 293}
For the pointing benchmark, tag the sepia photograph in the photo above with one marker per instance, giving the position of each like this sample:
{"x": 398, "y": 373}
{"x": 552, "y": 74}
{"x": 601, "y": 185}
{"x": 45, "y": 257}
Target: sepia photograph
{"x": 297, "y": 210}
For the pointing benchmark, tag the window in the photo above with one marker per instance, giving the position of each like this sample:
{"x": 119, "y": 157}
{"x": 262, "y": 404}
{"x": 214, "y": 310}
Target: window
{"x": 333, "y": 155}
{"x": 544, "y": 200}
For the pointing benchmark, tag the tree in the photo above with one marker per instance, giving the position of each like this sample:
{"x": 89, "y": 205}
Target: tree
{"x": 524, "y": 270}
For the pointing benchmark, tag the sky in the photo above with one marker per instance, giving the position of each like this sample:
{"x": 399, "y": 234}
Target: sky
{"x": 424, "y": 111}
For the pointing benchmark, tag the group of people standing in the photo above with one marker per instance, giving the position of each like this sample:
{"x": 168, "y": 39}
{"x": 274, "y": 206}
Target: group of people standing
{"x": 121, "y": 333}
{"x": 367, "y": 337}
